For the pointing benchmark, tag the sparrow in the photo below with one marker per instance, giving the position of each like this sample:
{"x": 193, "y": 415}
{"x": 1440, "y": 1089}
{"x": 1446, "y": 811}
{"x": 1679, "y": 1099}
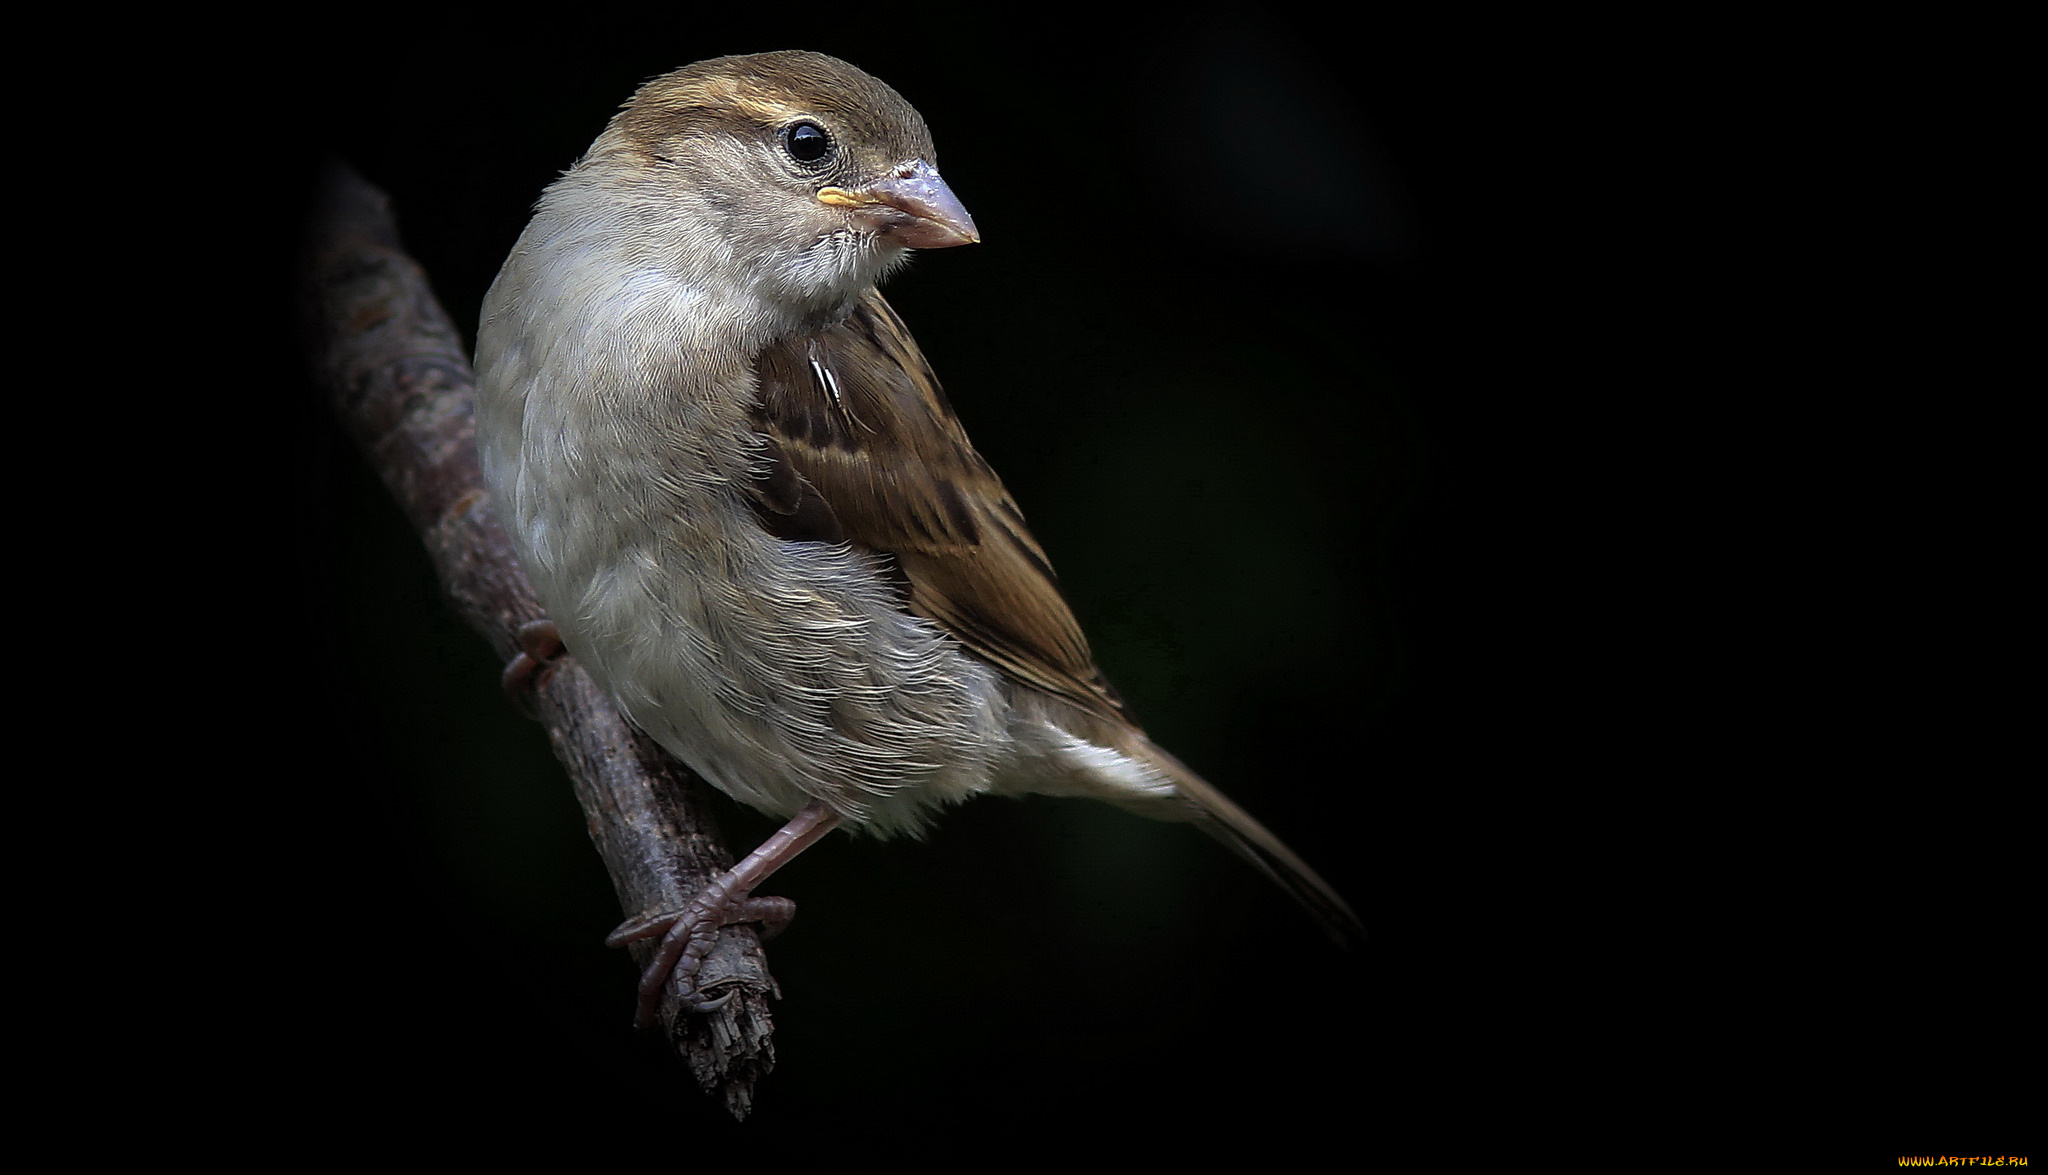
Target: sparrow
{"x": 750, "y": 512}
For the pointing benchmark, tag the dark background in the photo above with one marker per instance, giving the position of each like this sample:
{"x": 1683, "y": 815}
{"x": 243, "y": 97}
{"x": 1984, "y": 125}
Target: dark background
{"x": 1342, "y": 365}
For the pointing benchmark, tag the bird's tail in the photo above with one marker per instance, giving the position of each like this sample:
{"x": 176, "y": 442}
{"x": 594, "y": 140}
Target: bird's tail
{"x": 1253, "y": 841}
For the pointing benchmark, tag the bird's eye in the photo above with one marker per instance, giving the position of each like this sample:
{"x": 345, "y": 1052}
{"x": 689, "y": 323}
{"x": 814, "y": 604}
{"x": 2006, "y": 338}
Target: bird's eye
{"x": 807, "y": 142}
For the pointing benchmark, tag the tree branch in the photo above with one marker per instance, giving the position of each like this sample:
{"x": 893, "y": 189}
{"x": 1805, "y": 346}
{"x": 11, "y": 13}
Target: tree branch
{"x": 394, "y": 364}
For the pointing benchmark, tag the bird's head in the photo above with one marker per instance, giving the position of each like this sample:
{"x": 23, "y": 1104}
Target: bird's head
{"x": 793, "y": 167}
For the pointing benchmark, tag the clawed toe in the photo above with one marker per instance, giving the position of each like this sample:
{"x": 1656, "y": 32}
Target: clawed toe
{"x": 540, "y": 647}
{"x": 645, "y": 926}
{"x": 687, "y": 936}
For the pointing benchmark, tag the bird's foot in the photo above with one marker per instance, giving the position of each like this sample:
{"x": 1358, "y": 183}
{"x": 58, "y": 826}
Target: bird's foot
{"x": 540, "y": 649}
{"x": 687, "y": 936}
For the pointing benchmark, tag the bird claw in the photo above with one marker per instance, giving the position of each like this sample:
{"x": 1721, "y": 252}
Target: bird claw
{"x": 709, "y": 1006}
{"x": 540, "y": 649}
{"x": 687, "y": 936}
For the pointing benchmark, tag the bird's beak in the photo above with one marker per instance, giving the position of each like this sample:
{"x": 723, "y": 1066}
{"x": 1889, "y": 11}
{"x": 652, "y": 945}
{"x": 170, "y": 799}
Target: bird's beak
{"x": 913, "y": 208}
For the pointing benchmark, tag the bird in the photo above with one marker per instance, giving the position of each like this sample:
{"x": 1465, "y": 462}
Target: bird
{"x": 751, "y": 514}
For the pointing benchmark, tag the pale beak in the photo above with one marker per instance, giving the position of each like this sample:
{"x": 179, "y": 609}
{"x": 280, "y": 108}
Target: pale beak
{"x": 913, "y": 208}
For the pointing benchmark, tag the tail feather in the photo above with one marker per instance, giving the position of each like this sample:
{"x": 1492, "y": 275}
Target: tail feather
{"x": 1217, "y": 815}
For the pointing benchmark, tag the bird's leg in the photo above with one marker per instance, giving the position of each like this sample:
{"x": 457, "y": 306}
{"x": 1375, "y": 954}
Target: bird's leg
{"x": 539, "y": 647}
{"x": 687, "y": 934}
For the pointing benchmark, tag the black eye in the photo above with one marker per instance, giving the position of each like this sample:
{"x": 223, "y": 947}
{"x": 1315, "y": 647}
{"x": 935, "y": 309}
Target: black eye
{"x": 807, "y": 142}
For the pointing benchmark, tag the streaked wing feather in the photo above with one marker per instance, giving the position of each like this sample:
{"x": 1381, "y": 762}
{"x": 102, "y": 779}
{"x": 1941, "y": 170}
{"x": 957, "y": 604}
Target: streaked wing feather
{"x": 863, "y": 447}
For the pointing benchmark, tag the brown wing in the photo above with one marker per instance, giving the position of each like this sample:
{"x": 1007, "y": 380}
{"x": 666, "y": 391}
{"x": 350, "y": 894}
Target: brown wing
{"x": 863, "y": 447}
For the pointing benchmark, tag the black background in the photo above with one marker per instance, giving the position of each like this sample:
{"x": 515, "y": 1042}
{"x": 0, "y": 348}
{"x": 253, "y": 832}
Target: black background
{"x": 1343, "y": 366}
